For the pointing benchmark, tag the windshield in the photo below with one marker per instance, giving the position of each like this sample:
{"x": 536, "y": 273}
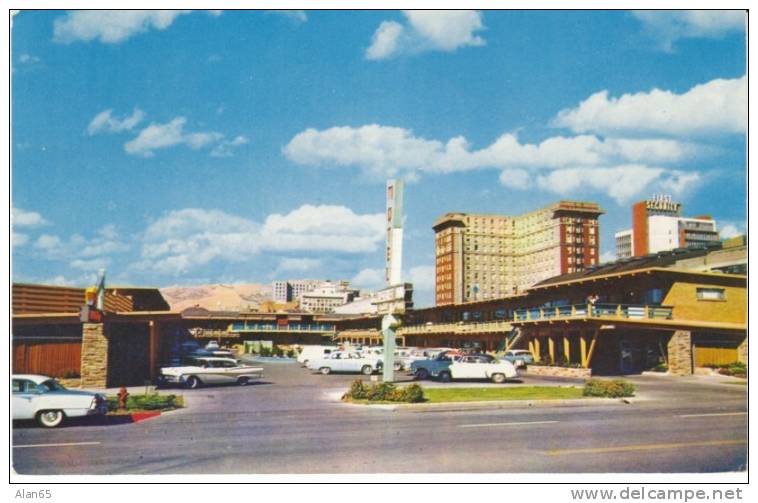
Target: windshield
{"x": 50, "y": 385}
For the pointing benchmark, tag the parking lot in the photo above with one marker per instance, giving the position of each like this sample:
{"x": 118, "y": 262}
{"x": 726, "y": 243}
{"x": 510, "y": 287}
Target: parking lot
{"x": 289, "y": 422}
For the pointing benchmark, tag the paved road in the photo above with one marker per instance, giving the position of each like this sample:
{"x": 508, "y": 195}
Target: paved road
{"x": 289, "y": 423}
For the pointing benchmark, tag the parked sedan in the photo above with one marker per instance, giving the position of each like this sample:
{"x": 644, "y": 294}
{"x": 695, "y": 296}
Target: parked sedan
{"x": 519, "y": 357}
{"x": 49, "y": 402}
{"x": 197, "y": 371}
{"x": 346, "y": 361}
{"x": 480, "y": 367}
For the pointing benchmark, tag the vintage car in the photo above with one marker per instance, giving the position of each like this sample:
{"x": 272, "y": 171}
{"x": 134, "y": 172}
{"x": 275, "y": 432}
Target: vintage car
{"x": 196, "y": 371}
{"x": 424, "y": 369}
{"x": 519, "y": 357}
{"x": 479, "y": 367}
{"x": 49, "y": 402}
{"x": 346, "y": 361}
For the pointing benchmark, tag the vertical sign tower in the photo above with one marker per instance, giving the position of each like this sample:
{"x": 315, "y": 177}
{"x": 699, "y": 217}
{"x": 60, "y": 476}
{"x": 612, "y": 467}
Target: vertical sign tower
{"x": 394, "y": 271}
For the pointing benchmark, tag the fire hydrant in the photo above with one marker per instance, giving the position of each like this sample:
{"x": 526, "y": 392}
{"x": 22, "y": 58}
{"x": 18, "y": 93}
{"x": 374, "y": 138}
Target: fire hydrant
{"x": 122, "y": 396}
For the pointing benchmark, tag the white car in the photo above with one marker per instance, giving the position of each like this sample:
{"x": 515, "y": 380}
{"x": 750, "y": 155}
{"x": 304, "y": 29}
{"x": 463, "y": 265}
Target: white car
{"x": 346, "y": 361}
{"x": 209, "y": 370}
{"x": 481, "y": 367}
{"x": 46, "y": 400}
{"x": 313, "y": 352}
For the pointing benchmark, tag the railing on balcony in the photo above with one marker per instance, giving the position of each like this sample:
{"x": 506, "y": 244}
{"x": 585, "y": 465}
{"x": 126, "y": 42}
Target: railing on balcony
{"x": 627, "y": 311}
{"x": 273, "y": 327}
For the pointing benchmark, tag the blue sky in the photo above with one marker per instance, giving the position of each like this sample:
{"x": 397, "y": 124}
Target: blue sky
{"x": 177, "y": 148}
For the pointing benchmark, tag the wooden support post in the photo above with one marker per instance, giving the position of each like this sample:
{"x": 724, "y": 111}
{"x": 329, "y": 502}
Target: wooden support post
{"x": 531, "y": 350}
{"x": 592, "y": 347}
{"x": 566, "y": 347}
{"x": 153, "y": 349}
{"x": 537, "y": 352}
{"x": 551, "y": 347}
{"x": 583, "y": 348}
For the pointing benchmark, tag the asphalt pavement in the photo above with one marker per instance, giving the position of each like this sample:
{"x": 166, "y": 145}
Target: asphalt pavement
{"x": 291, "y": 422}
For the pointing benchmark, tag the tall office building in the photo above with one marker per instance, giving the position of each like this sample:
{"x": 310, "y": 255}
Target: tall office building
{"x": 482, "y": 257}
{"x": 658, "y": 225}
{"x": 289, "y": 290}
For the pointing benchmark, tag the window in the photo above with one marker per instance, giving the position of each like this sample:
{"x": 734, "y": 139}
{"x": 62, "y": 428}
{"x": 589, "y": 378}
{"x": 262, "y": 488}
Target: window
{"x": 653, "y": 296}
{"x": 711, "y": 294}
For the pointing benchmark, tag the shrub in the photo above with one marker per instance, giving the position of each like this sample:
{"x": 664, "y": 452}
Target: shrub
{"x": 265, "y": 351}
{"x": 291, "y": 353}
{"x": 146, "y": 402}
{"x": 736, "y": 369}
{"x": 609, "y": 389}
{"x": 661, "y": 367}
{"x": 384, "y": 392}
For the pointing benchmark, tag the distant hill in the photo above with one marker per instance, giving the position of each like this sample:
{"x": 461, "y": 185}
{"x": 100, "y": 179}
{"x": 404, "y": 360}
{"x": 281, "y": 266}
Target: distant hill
{"x": 217, "y": 297}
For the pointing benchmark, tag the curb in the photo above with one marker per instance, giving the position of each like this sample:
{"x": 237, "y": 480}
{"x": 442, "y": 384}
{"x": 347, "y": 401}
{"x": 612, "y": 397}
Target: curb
{"x": 495, "y": 404}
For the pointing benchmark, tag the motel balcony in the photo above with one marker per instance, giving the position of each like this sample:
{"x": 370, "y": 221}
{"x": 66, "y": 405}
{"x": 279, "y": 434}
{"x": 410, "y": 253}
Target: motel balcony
{"x": 600, "y": 311}
{"x": 302, "y": 328}
{"x": 460, "y": 328}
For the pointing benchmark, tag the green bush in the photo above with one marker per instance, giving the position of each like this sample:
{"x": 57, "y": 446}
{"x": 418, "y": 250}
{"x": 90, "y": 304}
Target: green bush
{"x": 736, "y": 369}
{"x": 265, "y": 351}
{"x": 661, "y": 367}
{"x": 609, "y": 389}
{"x": 291, "y": 353}
{"x": 385, "y": 392}
{"x": 146, "y": 402}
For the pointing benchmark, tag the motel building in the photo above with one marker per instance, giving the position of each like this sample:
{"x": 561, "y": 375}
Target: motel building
{"x": 624, "y": 317}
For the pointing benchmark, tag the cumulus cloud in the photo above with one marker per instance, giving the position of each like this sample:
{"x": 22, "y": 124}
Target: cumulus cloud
{"x": 105, "y": 122}
{"x": 712, "y": 108}
{"x": 369, "y": 279}
{"x": 728, "y": 229}
{"x": 28, "y": 59}
{"x": 19, "y": 239}
{"x": 81, "y": 251}
{"x": 422, "y": 277}
{"x": 182, "y": 240}
{"x": 298, "y": 16}
{"x": 110, "y": 26}
{"x": 298, "y": 265}
{"x": 158, "y": 136}
{"x": 426, "y": 31}
{"x": 669, "y": 26}
{"x": 226, "y": 148}
{"x": 621, "y": 183}
{"x": 23, "y": 218}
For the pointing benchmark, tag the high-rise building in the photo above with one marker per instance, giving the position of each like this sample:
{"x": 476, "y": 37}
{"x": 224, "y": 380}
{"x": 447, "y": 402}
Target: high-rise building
{"x": 327, "y": 296}
{"x": 482, "y": 257}
{"x": 290, "y": 290}
{"x": 658, "y": 225}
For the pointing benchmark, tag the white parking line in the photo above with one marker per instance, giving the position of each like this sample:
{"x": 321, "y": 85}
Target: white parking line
{"x": 54, "y": 445}
{"x": 715, "y": 414}
{"x": 486, "y": 425}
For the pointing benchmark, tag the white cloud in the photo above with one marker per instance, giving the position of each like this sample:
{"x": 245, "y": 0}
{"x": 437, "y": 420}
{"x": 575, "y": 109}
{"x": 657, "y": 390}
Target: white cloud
{"x": 369, "y": 279}
{"x": 298, "y": 265}
{"x": 157, "y": 136}
{"x": 515, "y": 178}
{"x": 90, "y": 264}
{"x": 621, "y": 183}
{"x": 422, "y": 277}
{"x": 185, "y": 239}
{"x": 426, "y": 30}
{"x": 28, "y": 59}
{"x": 48, "y": 242}
{"x": 104, "y": 122}
{"x": 607, "y": 256}
{"x": 298, "y": 16}
{"x": 19, "y": 239}
{"x": 729, "y": 229}
{"x": 670, "y": 26}
{"x": 23, "y": 218}
{"x": 384, "y": 151}
{"x": 386, "y": 40}
{"x": 713, "y": 108}
{"x": 110, "y": 26}
{"x": 226, "y": 148}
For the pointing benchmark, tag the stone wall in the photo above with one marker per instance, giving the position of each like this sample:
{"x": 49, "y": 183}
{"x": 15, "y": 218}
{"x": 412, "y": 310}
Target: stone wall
{"x": 680, "y": 353}
{"x": 541, "y": 370}
{"x": 742, "y": 351}
{"x": 94, "y": 356}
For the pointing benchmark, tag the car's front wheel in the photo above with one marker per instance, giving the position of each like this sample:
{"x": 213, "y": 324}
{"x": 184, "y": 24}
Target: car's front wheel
{"x": 50, "y": 418}
{"x": 193, "y": 382}
{"x": 445, "y": 376}
{"x": 421, "y": 374}
{"x": 498, "y": 378}
{"x": 367, "y": 370}
{"x": 243, "y": 381}
{"x": 325, "y": 370}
